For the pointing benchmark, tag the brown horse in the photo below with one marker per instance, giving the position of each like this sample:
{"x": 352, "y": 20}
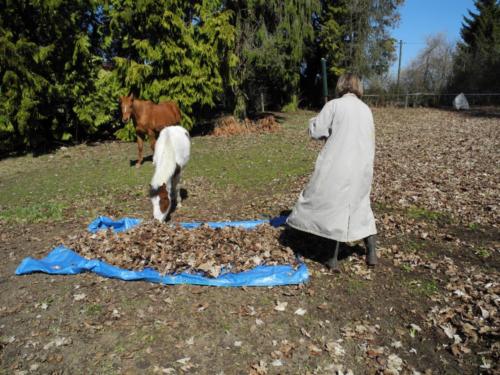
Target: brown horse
{"x": 149, "y": 118}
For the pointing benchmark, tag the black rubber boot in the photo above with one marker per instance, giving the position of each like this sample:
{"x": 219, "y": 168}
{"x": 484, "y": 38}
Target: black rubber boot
{"x": 371, "y": 254}
{"x": 332, "y": 263}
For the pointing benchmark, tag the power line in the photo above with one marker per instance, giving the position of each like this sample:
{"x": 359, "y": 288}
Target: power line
{"x": 414, "y": 43}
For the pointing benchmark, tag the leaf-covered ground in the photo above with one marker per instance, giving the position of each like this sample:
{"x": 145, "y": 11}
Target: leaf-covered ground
{"x": 430, "y": 307}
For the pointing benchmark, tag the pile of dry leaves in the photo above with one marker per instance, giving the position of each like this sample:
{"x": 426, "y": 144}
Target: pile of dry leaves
{"x": 173, "y": 250}
{"x": 227, "y": 126}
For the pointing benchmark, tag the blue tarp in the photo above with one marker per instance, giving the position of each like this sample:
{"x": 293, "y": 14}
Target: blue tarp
{"x": 121, "y": 225}
{"x": 103, "y": 222}
{"x": 63, "y": 261}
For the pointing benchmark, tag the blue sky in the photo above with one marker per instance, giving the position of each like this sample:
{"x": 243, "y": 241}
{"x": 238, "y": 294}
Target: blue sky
{"x": 421, "y": 18}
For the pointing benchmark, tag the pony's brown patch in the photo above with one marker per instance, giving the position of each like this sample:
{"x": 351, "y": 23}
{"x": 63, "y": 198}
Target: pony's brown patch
{"x": 164, "y": 199}
{"x": 163, "y": 194}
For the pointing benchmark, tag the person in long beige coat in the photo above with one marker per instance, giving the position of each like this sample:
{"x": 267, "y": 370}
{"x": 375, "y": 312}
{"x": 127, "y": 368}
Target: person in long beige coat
{"x": 335, "y": 204}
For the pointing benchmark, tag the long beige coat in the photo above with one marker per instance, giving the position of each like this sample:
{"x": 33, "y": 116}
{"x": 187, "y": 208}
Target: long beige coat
{"x": 336, "y": 202}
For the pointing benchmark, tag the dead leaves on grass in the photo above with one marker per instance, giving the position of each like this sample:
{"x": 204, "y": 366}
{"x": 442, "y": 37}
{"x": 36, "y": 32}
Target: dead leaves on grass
{"x": 438, "y": 162}
{"x": 468, "y": 314}
{"x": 466, "y": 310}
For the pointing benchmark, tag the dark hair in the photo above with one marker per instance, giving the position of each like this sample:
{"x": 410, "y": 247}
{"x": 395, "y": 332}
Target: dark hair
{"x": 349, "y": 83}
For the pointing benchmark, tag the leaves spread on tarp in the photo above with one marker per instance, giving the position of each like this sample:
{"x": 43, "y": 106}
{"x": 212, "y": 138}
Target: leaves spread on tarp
{"x": 173, "y": 249}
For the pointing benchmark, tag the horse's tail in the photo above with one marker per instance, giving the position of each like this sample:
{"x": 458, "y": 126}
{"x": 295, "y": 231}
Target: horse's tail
{"x": 163, "y": 159}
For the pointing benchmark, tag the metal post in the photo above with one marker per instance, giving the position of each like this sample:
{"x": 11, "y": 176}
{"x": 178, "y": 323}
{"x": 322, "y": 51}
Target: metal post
{"x": 325, "y": 82}
{"x": 399, "y": 64}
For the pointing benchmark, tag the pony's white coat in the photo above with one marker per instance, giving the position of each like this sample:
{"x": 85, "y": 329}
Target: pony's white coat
{"x": 171, "y": 152}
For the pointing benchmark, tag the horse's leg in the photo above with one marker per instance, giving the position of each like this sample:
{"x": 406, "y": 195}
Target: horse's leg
{"x": 175, "y": 190}
{"x": 140, "y": 146}
{"x": 152, "y": 140}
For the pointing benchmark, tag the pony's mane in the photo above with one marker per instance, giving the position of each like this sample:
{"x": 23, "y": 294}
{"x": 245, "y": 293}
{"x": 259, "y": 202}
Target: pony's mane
{"x": 163, "y": 160}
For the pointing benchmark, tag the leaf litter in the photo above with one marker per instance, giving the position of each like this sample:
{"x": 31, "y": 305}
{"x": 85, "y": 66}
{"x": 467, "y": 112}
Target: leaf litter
{"x": 427, "y": 170}
{"x": 173, "y": 249}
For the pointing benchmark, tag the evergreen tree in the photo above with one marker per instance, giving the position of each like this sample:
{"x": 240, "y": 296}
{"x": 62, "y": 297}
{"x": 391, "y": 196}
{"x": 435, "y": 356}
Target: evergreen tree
{"x": 171, "y": 50}
{"x": 477, "y": 63}
{"x": 45, "y": 68}
{"x": 63, "y": 64}
{"x": 353, "y": 35}
{"x": 270, "y": 46}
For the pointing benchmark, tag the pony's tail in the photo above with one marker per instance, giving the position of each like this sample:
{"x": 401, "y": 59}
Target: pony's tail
{"x": 163, "y": 160}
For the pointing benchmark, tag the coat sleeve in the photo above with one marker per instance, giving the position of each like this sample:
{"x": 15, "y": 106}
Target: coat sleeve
{"x": 320, "y": 126}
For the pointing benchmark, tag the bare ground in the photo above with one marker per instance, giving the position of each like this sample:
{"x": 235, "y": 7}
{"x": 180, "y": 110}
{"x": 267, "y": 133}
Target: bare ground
{"x": 431, "y": 306}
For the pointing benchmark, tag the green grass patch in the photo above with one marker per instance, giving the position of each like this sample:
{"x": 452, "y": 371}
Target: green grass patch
{"x": 413, "y": 246}
{"x": 85, "y": 180}
{"x": 406, "y": 267}
{"x": 251, "y": 162}
{"x": 94, "y": 310}
{"x": 428, "y": 215}
{"x": 382, "y": 207}
{"x": 33, "y": 212}
{"x": 355, "y": 286}
{"x": 473, "y": 226}
{"x": 424, "y": 287}
{"x": 482, "y": 252}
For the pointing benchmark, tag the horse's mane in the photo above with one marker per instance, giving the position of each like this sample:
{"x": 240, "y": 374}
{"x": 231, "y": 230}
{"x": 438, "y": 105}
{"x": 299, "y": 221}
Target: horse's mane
{"x": 163, "y": 160}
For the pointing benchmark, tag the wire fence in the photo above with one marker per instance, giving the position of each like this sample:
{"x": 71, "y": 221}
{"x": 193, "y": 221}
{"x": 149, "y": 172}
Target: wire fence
{"x": 426, "y": 99}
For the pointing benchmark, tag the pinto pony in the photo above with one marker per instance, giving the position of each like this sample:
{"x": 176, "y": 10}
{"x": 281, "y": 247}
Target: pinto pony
{"x": 170, "y": 156}
{"x": 149, "y": 119}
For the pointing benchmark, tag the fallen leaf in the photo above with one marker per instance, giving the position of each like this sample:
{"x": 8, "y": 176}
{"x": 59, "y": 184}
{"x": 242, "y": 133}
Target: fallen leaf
{"x": 79, "y": 297}
{"x": 281, "y": 306}
{"x": 277, "y": 363}
{"x": 184, "y": 360}
{"x": 300, "y": 311}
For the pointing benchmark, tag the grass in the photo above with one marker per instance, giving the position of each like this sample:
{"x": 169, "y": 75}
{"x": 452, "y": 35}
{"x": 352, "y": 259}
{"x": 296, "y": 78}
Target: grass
{"x": 252, "y": 161}
{"x": 414, "y": 246}
{"x": 473, "y": 226}
{"x": 94, "y": 309}
{"x": 83, "y": 179}
{"x": 424, "y": 214}
{"x": 48, "y": 211}
{"x": 425, "y": 288}
{"x": 406, "y": 267}
{"x": 482, "y": 252}
{"x": 354, "y": 286}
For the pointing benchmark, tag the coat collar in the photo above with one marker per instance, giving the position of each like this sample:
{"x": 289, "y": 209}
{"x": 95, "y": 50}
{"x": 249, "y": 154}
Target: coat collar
{"x": 349, "y": 94}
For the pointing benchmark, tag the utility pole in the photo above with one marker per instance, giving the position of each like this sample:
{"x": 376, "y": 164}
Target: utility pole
{"x": 324, "y": 78}
{"x": 399, "y": 64}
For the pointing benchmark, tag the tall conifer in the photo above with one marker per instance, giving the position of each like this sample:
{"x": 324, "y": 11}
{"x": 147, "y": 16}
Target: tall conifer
{"x": 477, "y": 63}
